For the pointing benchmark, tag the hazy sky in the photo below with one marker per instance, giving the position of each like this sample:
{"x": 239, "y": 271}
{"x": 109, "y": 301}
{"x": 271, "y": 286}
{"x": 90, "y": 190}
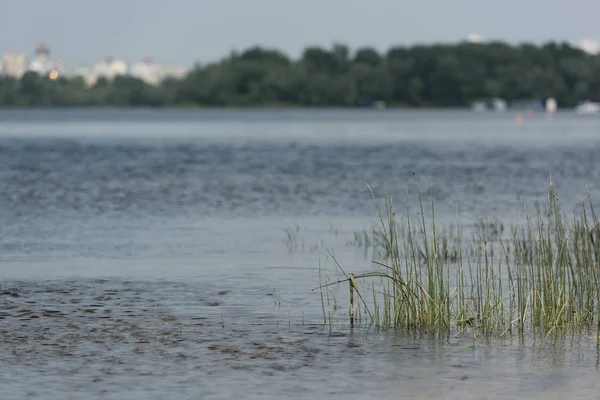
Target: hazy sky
{"x": 185, "y": 31}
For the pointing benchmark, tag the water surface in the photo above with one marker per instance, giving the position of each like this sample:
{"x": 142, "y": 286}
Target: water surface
{"x": 145, "y": 254}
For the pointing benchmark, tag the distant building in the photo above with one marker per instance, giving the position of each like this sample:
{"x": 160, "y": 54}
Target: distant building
{"x": 41, "y": 63}
{"x": 590, "y": 46}
{"x": 14, "y": 64}
{"x": 474, "y": 38}
{"x": 109, "y": 69}
{"x": 147, "y": 71}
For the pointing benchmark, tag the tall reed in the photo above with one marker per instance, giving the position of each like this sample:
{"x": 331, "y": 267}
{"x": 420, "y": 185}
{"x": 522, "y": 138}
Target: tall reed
{"x": 544, "y": 277}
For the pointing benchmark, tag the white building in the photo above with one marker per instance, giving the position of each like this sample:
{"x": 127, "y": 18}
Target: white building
{"x": 147, "y": 71}
{"x": 590, "y": 46}
{"x": 14, "y": 64}
{"x": 42, "y": 63}
{"x": 474, "y": 38}
{"x": 109, "y": 69}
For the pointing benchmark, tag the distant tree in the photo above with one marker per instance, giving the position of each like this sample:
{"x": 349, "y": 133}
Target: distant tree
{"x": 259, "y": 54}
{"x": 367, "y": 56}
{"x": 317, "y": 59}
{"x": 433, "y": 75}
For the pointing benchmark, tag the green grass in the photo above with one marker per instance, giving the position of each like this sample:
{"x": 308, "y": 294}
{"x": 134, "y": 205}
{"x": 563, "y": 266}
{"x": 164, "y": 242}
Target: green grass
{"x": 539, "y": 276}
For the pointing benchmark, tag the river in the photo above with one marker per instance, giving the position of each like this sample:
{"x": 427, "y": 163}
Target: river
{"x": 171, "y": 253}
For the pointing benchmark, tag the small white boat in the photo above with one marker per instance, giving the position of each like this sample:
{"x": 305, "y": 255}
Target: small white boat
{"x": 588, "y": 107}
{"x": 499, "y": 105}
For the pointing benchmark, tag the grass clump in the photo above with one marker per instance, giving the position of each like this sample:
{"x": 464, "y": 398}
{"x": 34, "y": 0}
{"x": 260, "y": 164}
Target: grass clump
{"x": 541, "y": 275}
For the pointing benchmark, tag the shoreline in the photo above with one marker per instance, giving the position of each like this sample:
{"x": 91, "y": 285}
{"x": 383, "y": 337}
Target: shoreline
{"x": 259, "y": 107}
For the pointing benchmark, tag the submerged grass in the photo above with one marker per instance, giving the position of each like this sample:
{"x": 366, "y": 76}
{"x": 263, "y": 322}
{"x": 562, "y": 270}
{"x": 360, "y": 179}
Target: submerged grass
{"x": 543, "y": 278}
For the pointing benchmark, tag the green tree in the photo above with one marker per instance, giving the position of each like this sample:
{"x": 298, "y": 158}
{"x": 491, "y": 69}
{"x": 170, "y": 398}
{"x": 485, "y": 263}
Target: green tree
{"x": 367, "y": 56}
{"x": 421, "y": 75}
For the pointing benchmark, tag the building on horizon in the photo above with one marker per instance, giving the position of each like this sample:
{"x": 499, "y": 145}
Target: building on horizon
{"x": 474, "y": 38}
{"x": 590, "y": 46}
{"x": 14, "y": 64}
{"x": 146, "y": 71}
{"x": 108, "y": 69}
{"x": 41, "y": 62}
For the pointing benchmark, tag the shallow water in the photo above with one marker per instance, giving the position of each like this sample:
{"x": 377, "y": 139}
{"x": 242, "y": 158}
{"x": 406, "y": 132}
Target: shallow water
{"x": 133, "y": 339}
{"x": 145, "y": 254}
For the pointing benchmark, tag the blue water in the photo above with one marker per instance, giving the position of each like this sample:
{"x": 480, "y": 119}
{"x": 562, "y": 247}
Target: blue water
{"x": 167, "y": 218}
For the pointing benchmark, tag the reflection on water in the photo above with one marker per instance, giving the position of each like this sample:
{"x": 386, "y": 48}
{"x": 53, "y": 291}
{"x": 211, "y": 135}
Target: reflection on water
{"x": 146, "y": 254}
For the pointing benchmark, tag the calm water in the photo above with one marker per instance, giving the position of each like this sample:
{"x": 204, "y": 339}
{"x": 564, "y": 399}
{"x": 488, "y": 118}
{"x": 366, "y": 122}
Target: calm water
{"x": 143, "y": 254}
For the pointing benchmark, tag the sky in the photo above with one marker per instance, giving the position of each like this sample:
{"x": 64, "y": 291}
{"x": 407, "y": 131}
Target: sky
{"x": 183, "y": 32}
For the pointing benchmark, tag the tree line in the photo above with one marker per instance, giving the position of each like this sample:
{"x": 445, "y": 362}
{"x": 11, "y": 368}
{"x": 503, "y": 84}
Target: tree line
{"x": 437, "y": 75}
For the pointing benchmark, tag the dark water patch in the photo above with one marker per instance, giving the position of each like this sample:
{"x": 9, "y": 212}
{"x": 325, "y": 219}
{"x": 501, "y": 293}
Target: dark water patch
{"x": 175, "y": 346}
{"x": 203, "y": 178}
